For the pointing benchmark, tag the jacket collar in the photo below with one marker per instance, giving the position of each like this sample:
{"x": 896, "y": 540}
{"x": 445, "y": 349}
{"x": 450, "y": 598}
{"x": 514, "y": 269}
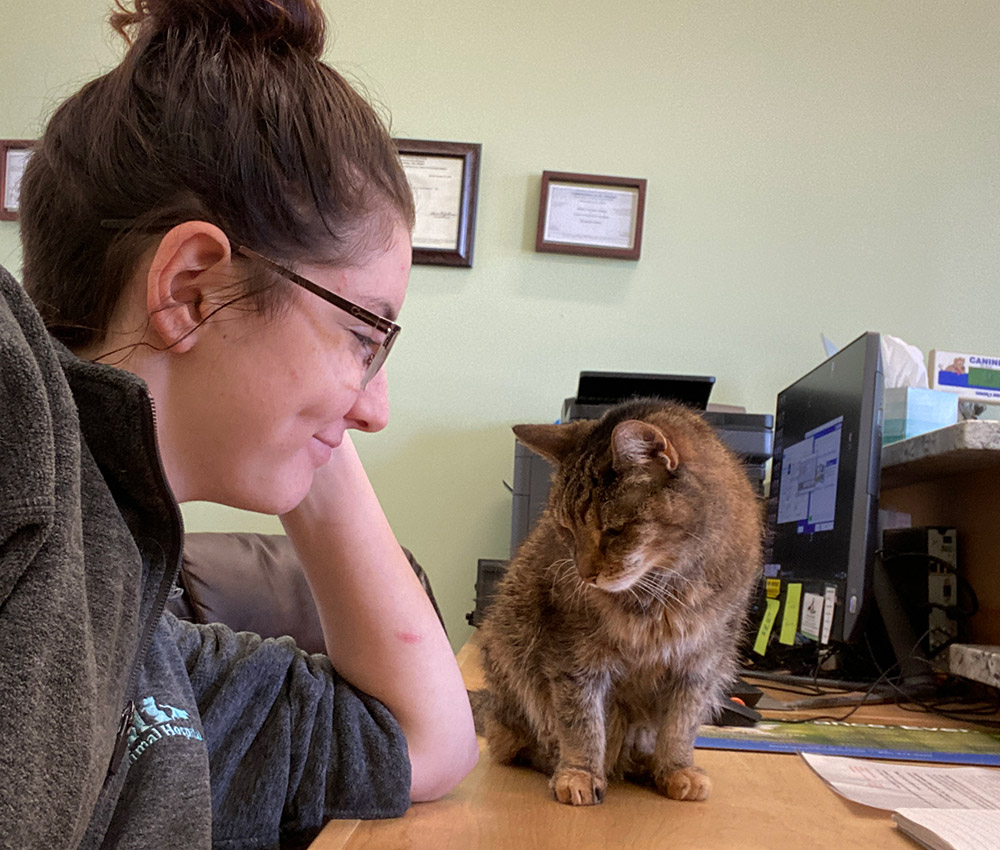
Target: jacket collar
{"x": 118, "y": 425}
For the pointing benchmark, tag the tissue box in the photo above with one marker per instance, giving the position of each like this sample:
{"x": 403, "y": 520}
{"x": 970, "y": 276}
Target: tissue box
{"x": 911, "y": 410}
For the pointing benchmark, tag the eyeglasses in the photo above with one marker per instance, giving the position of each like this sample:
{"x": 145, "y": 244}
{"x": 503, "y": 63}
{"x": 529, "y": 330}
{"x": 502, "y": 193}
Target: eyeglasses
{"x": 378, "y": 349}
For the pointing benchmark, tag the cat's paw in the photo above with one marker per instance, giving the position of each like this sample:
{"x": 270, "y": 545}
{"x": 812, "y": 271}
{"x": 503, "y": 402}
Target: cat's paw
{"x": 687, "y": 783}
{"x": 577, "y": 787}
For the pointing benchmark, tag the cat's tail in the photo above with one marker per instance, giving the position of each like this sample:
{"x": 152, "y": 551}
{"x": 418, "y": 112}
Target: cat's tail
{"x": 507, "y": 744}
{"x": 480, "y": 702}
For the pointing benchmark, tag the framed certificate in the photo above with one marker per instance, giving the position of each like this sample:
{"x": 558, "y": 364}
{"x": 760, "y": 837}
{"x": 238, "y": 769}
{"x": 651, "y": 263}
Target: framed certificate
{"x": 592, "y": 215}
{"x": 444, "y": 177}
{"x": 15, "y": 155}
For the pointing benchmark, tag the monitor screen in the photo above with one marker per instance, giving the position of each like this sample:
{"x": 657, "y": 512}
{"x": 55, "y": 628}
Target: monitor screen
{"x": 823, "y": 501}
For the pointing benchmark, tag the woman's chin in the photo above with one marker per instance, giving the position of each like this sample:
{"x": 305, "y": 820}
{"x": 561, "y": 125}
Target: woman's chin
{"x": 274, "y": 498}
{"x": 282, "y": 501}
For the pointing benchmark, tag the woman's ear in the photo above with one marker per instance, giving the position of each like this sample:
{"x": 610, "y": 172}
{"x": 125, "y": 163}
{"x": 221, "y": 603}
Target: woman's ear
{"x": 190, "y": 267}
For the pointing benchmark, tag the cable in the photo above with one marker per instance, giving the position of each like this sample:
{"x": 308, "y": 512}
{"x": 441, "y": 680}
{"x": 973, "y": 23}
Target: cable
{"x": 887, "y": 555}
{"x": 931, "y": 693}
{"x": 842, "y": 718}
{"x": 883, "y": 677}
{"x": 982, "y": 714}
{"x": 954, "y": 611}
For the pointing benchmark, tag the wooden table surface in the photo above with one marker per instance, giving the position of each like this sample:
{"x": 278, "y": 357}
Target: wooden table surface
{"x": 759, "y": 801}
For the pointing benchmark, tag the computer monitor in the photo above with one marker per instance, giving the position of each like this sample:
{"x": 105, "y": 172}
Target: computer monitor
{"x": 823, "y": 499}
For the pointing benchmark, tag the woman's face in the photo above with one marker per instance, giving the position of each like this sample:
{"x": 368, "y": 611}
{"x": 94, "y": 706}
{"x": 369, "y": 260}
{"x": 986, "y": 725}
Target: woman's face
{"x": 258, "y": 404}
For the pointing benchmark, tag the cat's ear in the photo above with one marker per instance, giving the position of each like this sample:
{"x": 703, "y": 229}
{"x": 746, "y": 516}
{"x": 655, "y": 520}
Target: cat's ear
{"x": 635, "y": 443}
{"x": 550, "y": 441}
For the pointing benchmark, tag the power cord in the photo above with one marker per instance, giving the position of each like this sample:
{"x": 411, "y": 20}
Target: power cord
{"x": 982, "y": 713}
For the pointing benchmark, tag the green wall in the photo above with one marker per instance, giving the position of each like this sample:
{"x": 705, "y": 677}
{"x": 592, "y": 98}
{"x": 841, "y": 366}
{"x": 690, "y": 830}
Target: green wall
{"x": 813, "y": 166}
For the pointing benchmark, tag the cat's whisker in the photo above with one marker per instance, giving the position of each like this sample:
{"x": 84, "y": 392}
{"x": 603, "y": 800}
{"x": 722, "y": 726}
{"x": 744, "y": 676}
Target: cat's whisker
{"x": 670, "y": 580}
{"x": 577, "y": 587}
{"x": 663, "y": 586}
{"x": 651, "y": 580}
{"x": 681, "y": 603}
{"x": 649, "y": 599}
{"x": 669, "y": 573}
{"x": 562, "y": 572}
{"x": 660, "y": 591}
{"x": 557, "y": 565}
{"x": 644, "y": 580}
{"x": 651, "y": 591}
{"x": 644, "y": 584}
{"x": 567, "y": 575}
{"x": 574, "y": 593}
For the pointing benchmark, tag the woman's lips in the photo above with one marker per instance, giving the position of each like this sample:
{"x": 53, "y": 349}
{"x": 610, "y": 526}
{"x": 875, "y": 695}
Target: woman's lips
{"x": 321, "y": 448}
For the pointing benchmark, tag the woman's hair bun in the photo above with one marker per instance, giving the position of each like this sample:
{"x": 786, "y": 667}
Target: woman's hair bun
{"x": 292, "y": 24}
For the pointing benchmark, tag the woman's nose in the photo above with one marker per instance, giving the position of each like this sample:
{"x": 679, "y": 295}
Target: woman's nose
{"x": 371, "y": 407}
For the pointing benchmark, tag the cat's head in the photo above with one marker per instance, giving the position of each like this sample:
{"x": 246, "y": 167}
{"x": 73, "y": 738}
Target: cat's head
{"x": 620, "y": 495}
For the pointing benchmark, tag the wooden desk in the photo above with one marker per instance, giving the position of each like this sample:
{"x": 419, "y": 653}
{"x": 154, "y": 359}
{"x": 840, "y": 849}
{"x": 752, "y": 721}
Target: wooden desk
{"x": 760, "y": 801}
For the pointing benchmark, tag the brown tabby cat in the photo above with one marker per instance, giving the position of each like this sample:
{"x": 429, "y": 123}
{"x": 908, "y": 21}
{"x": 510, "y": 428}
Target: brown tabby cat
{"x": 613, "y": 633}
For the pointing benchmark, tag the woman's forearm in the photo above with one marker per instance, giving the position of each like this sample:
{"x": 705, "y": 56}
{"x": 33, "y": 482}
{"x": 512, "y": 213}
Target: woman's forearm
{"x": 381, "y": 631}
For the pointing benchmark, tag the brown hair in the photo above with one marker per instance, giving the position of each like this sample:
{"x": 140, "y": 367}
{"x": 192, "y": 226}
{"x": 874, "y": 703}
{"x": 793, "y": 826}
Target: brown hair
{"x": 221, "y": 111}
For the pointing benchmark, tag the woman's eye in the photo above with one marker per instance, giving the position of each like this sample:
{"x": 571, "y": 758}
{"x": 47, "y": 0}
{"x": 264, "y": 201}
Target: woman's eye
{"x": 368, "y": 345}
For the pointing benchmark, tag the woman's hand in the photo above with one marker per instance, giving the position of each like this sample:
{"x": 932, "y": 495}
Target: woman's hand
{"x": 382, "y": 633}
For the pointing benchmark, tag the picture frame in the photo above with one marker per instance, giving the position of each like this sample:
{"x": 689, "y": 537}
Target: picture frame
{"x": 444, "y": 177}
{"x": 591, "y": 215}
{"x": 14, "y": 154}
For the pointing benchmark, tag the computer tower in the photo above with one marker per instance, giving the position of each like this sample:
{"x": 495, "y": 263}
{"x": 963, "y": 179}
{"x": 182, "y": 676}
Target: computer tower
{"x": 922, "y": 565}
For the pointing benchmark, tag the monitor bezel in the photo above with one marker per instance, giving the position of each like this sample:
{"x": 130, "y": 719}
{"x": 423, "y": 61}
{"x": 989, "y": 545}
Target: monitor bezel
{"x": 853, "y": 610}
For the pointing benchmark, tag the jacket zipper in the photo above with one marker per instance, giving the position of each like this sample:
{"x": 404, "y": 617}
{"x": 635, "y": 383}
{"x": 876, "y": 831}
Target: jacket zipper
{"x": 121, "y": 739}
{"x": 148, "y": 426}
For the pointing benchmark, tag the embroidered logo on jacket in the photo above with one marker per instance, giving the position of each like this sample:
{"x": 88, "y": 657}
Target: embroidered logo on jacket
{"x": 152, "y": 722}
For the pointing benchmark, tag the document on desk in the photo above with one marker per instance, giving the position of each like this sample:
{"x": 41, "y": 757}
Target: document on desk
{"x": 944, "y": 808}
{"x": 887, "y": 785}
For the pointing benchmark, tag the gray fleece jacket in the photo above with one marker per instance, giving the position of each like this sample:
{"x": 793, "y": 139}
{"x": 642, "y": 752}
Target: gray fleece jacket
{"x": 121, "y": 726}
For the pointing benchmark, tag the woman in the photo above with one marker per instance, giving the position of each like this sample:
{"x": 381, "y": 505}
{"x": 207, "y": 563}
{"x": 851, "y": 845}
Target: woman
{"x": 218, "y": 229}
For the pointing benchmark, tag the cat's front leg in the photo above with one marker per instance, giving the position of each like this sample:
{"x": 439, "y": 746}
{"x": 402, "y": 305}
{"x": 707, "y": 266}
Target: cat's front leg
{"x": 578, "y": 699}
{"x": 674, "y": 771}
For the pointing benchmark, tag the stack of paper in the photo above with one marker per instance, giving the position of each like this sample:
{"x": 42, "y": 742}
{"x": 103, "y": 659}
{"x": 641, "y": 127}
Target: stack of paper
{"x": 951, "y": 829}
{"x": 944, "y": 808}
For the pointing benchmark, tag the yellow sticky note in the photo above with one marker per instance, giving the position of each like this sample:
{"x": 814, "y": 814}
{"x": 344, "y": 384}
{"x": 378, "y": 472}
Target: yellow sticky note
{"x": 766, "y": 624}
{"x": 773, "y": 588}
{"x": 790, "y": 619}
